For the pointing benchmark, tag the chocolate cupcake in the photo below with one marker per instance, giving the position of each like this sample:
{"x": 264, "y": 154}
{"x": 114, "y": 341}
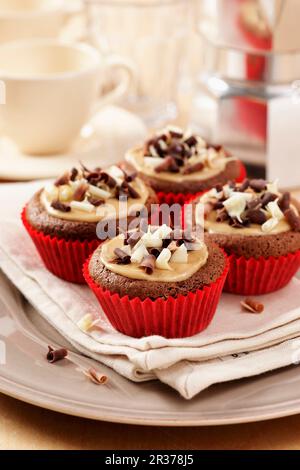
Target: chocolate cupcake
{"x": 259, "y": 228}
{"x": 63, "y": 217}
{"x": 177, "y": 164}
{"x": 162, "y": 282}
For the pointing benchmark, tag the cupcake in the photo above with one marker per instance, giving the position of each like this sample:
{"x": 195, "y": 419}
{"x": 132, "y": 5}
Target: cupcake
{"x": 64, "y": 218}
{"x": 160, "y": 282}
{"x": 259, "y": 228}
{"x": 177, "y": 164}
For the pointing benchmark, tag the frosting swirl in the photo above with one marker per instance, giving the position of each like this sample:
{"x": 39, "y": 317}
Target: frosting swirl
{"x": 175, "y": 155}
{"x": 94, "y": 195}
{"x": 157, "y": 255}
{"x": 254, "y": 207}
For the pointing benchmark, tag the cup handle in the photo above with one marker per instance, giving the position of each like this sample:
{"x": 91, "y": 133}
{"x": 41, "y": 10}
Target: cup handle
{"x": 128, "y": 75}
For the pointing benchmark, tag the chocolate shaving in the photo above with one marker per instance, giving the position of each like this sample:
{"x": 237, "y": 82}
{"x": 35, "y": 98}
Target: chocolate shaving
{"x": 154, "y": 251}
{"x": 254, "y": 204}
{"x": 93, "y": 178}
{"x": 222, "y": 215}
{"x": 191, "y": 141}
{"x": 193, "y": 168}
{"x": 168, "y": 164}
{"x": 60, "y": 206}
{"x": 95, "y": 376}
{"x": 218, "y": 205}
{"x": 95, "y": 202}
{"x": 176, "y": 149}
{"x": 258, "y": 185}
{"x": 123, "y": 258}
{"x": 133, "y": 238}
{"x": 177, "y": 134}
{"x": 252, "y": 305}
{"x": 235, "y": 223}
{"x": 130, "y": 173}
{"x": 166, "y": 242}
{"x": 293, "y": 219}
{"x": 80, "y": 192}
{"x": 245, "y": 185}
{"x": 148, "y": 264}
{"x": 284, "y": 202}
{"x": 64, "y": 179}
{"x": 109, "y": 180}
{"x": 266, "y": 198}
{"x": 54, "y": 355}
{"x": 256, "y": 216}
{"x": 73, "y": 174}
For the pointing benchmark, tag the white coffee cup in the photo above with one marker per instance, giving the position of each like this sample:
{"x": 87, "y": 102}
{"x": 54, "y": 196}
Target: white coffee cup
{"x": 23, "y": 19}
{"x": 52, "y": 89}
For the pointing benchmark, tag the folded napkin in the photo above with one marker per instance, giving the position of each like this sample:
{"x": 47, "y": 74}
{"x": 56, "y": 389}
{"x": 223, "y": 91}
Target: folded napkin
{"x": 235, "y": 345}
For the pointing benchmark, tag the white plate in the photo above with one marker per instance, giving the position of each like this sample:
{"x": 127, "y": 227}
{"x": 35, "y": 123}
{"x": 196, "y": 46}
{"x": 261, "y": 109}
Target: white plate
{"x": 63, "y": 387}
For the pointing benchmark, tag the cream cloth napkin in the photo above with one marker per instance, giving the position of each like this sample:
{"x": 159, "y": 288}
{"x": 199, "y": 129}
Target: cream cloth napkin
{"x": 235, "y": 345}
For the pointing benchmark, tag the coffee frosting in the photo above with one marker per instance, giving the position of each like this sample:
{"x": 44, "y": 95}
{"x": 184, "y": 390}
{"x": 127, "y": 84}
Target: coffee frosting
{"x": 97, "y": 201}
{"x": 232, "y": 210}
{"x": 184, "y": 158}
{"x": 168, "y": 272}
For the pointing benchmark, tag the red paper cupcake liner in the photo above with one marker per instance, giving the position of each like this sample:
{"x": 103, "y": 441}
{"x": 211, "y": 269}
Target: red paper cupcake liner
{"x": 260, "y": 276}
{"x": 172, "y": 318}
{"x": 184, "y": 198}
{"x": 64, "y": 258}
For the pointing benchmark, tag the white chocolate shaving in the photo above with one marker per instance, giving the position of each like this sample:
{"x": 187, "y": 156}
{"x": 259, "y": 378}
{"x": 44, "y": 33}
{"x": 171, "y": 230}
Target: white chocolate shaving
{"x": 162, "y": 232}
{"x": 65, "y": 193}
{"x": 86, "y": 322}
{"x": 273, "y": 187}
{"x": 139, "y": 254}
{"x": 98, "y": 192}
{"x": 51, "y": 192}
{"x": 115, "y": 172}
{"x": 151, "y": 241}
{"x": 269, "y": 225}
{"x": 153, "y": 151}
{"x": 236, "y": 204}
{"x": 180, "y": 255}
{"x": 275, "y": 214}
{"x": 82, "y": 206}
{"x": 162, "y": 262}
{"x": 152, "y": 162}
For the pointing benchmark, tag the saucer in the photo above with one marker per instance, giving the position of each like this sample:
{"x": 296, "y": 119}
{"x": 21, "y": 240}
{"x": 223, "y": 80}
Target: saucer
{"x": 103, "y": 141}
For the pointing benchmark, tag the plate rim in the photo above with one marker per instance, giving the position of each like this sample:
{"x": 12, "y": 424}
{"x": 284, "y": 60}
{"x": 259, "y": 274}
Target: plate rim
{"x": 35, "y": 397}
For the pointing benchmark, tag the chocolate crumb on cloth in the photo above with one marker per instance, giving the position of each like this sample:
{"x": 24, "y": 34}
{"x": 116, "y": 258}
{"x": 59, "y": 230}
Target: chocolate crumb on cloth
{"x": 252, "y": 219}
{"x": 156, "y": 271}
{"x": 252, "y": 305}
{"x": 54, "y": 355}
{"x": 178, "y": 161}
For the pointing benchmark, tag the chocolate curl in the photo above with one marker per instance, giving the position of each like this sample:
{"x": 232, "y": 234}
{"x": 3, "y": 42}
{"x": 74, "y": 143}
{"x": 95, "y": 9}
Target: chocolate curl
{"x": 95, "y": 376}
{"x": 79, "y": 194}
{"x": 54, "y": 355}
{"x": 73, "y": 174}
{"x": 109, "y": 180}
{"x": 168, "y": 164}
{"x": 154, "y": 251}
{"x": 193, "y": 168}
{"x": 252, "y": 306}
{"x": 191, "y": 141}
{"x": 256, "y": 216}
{"x": 93, "y": 178}
{"x": 64, "y": 179}
{"x": 148, "y": 264}
{"x": 123, "y": 258}
{"x": 266, "y": 198}
{"x": 284, "y": 202}
{"x": 95, "y": 202}
{"x": 176, "y": 133}
{"x": 245, "y": 185}
{"x": 258, "y": 185}
{"x": 129, "y": 172}
{"x": 60, "y": 206}
{"x": 293, "y": 219}
{"x": 222, "y": 215}
{"x": 131, "y": 191}
{"x": 133, "y": 238}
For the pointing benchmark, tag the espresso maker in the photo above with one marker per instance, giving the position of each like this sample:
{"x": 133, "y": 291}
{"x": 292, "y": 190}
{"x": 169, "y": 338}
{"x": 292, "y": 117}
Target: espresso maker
{"x": 248, "y": 89}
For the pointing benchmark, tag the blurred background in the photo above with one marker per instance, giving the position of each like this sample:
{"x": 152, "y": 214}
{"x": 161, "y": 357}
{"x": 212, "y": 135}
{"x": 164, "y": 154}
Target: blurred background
{"x": 229, "y": 69}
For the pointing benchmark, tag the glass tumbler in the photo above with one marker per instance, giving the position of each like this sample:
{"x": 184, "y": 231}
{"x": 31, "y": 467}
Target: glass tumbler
{"x": 153, "y": 35}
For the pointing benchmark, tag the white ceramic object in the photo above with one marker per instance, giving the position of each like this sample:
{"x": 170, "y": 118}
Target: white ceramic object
{"x": 52, "y": 89}
{"x": 103, "y": 141}
{"x": 21, "y": 19}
